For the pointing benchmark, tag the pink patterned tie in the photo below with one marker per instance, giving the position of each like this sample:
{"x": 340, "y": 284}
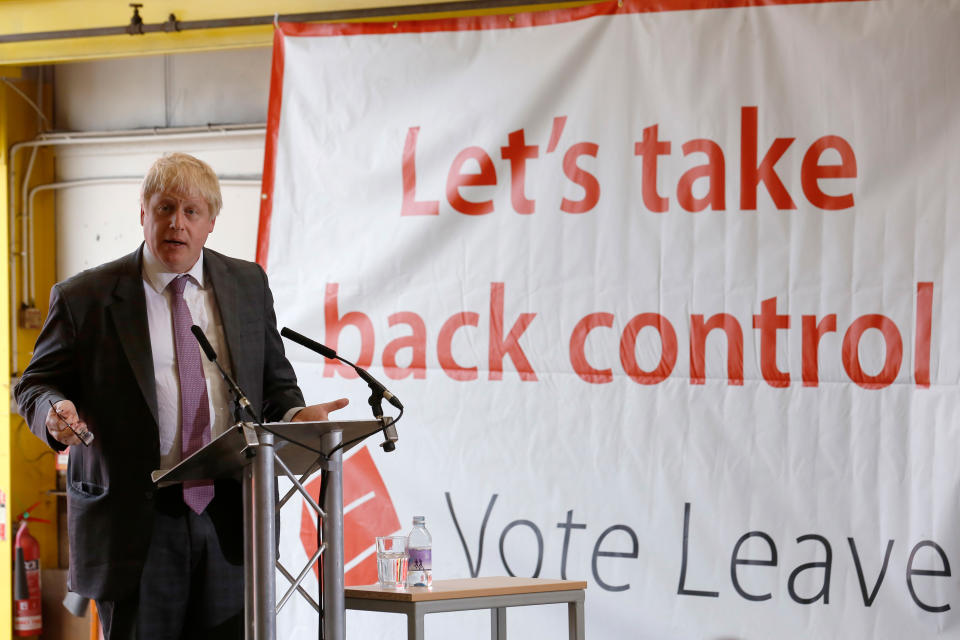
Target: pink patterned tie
{"x": 194, "y": 405}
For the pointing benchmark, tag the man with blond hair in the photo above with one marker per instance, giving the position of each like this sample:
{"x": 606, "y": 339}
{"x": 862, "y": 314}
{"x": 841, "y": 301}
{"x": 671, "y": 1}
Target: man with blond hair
{"x": 116, "y": 357}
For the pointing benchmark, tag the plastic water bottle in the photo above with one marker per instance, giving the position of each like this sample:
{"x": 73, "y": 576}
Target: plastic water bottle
{"x": 419, "y": 547}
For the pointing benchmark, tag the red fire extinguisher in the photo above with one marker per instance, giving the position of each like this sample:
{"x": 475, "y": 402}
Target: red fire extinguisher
{"x": 27, "y": 618}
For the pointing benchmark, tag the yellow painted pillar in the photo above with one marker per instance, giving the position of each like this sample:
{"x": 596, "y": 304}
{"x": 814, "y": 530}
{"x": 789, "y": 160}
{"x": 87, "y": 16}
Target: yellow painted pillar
{"x": 6, "y": 519}
{"x": 27, "y": 466}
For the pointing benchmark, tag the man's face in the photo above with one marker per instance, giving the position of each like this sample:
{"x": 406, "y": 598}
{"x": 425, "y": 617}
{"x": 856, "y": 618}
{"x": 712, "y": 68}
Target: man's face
{"x": 175, "y": 227}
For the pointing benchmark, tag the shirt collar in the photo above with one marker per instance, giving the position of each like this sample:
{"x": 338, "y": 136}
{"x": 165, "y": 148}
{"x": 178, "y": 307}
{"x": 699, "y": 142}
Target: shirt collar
{"x": 157, "y": 276}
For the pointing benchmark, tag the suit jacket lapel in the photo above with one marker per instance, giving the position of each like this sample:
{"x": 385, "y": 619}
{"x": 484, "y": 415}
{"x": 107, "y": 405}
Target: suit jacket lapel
{"x": 228, "y": 302}
{"x": 241, "y": 312}
{"x": 129, "y": 312}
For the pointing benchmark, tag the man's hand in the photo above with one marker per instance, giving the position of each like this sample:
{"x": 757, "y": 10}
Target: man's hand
{"x": 320, "y": 412}
{"x": 59, "y": 426}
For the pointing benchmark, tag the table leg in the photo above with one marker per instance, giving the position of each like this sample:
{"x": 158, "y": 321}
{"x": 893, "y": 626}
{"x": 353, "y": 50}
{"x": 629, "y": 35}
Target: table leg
{"x": 415, "y": 625}
{"x": 575, "y": 617}
{"x": 498, "y": 623}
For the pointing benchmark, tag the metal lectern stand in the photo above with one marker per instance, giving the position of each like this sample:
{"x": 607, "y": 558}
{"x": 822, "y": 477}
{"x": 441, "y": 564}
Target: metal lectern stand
{"x": 247, "y": 450}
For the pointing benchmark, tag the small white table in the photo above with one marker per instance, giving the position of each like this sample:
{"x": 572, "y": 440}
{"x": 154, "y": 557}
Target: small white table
{"x": 495, "y": 594}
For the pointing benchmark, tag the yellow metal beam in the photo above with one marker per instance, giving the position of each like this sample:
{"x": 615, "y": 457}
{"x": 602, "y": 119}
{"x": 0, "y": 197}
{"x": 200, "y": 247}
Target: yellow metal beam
{"x": 74, "y": 49}
{"x": 28, "y": 16}
{"x": 6, "y": 508}
{"x": 24, "y": 17}
{"x": 27, "y": 473}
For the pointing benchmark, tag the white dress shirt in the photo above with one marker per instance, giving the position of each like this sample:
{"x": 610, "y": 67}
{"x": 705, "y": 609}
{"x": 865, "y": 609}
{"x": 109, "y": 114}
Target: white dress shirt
{"x": 200, "y": 299}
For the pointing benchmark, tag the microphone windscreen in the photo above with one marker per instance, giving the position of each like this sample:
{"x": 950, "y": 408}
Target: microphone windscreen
{"x": 204, "y": 343}
{"x": 304, "y": 341}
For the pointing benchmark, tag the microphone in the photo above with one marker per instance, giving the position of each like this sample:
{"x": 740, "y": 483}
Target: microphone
{"x": 327, "y": 352}
{"x": 204, "y": 343}
{"x": 377, "y": 390}
{"x": 314, "y": 346}
{"x": 234, "y": 387}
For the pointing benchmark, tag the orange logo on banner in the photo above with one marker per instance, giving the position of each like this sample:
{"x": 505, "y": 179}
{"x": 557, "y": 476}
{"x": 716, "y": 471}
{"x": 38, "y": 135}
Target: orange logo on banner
{"x": 374, "y": 515}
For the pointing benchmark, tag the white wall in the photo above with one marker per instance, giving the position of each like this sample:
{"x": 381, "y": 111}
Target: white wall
{"x": 100, "y": 222}
{"x": 163, "y": 91}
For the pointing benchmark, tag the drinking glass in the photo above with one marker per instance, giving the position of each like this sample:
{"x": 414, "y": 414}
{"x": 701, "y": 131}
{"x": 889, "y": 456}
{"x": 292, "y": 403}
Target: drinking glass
{"x": 392, "y": 561}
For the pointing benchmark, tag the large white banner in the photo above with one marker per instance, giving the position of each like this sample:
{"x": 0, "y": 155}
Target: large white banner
{"x": 670, "y": 298}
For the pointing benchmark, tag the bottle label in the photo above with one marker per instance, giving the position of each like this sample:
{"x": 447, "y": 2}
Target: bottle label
{"x": 420, "y": 560}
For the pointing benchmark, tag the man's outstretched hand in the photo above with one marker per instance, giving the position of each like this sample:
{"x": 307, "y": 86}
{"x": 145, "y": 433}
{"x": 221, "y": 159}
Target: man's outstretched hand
{"x": 320, "y": 412}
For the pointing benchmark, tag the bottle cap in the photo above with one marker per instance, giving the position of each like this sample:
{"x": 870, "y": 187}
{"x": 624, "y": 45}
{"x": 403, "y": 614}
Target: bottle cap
{"x": 418, "y": 519}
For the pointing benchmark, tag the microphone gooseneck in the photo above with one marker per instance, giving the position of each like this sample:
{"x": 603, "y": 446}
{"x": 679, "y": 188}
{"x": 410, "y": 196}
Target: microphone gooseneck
{"x": 234, "y": 387}
{"x": 327, "y": 352}
{"x": 238, "y": 393}
{"x": 377, "y": 391}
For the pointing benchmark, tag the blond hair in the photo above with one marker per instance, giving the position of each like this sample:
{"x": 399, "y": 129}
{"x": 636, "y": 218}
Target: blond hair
{"x": 183, "y": 174}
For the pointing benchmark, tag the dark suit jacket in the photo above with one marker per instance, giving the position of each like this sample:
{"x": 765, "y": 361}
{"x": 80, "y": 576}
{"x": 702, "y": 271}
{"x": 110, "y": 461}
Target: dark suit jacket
{"x": 94, "y": 350}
